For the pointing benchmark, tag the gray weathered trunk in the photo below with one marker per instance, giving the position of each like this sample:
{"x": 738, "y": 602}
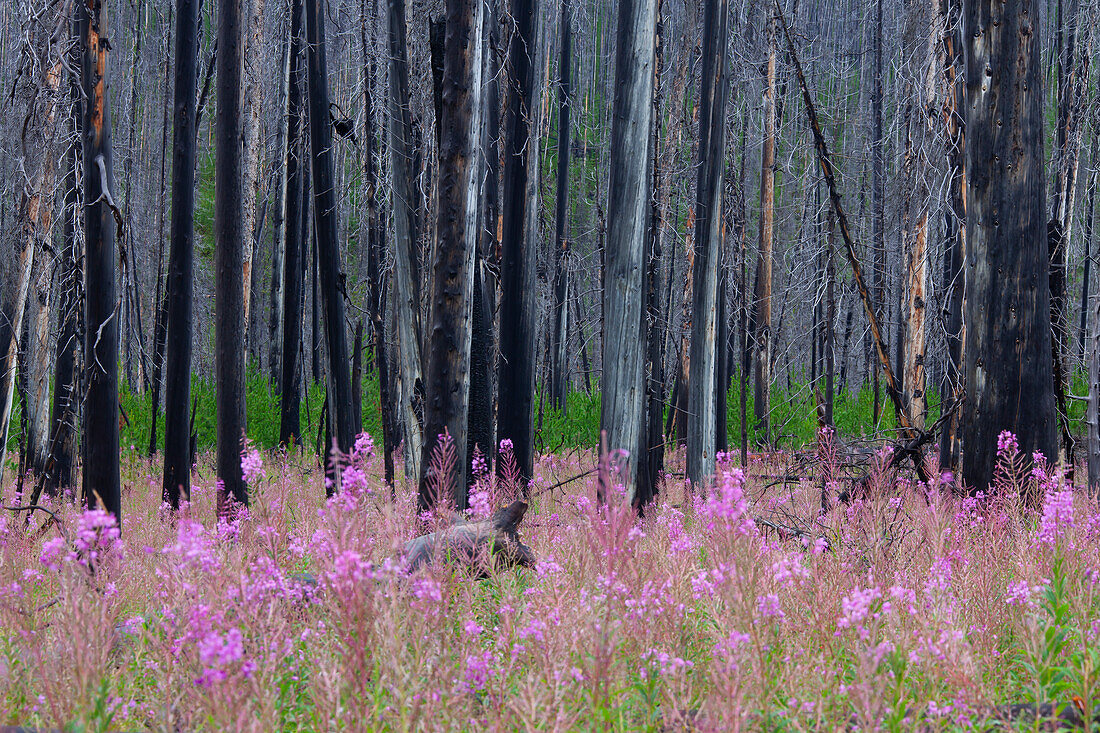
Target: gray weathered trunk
{"x": 622, "y": 385}
{"x": 708, "y": 225}
{"x": 406, "y": 291}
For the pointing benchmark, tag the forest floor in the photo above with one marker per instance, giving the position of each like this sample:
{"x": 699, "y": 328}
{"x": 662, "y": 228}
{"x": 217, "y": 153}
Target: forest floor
{"x": 741, "y": 607}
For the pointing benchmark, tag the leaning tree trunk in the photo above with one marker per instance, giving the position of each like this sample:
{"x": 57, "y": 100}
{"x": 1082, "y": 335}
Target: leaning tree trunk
{"x": 406, "y": 290}
{"x": 229, "y": 243}
{"x": 329, "y": 270}
{"x": 448, "y": 361}
{"x": 518, "y": 307}
{"x": 177, "y": 365}
{"x": 762, "y": 305}
{"x": 101, "y": 216}
{"x": 708, "y": 226}
{"x": 559, "y": 353}
{"x": 622, "y": 385}
{"x": 297, "y": 215}
{"x": 1007, "y": 301}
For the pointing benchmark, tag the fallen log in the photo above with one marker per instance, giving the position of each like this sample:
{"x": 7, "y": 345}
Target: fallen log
{"x": 483, "y": 546}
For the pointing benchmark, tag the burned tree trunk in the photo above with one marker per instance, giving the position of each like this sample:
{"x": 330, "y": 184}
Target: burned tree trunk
{"x": 279, "y": 222}
{"x": 518, "y": 309}
{"x": 101, "y": 217}
{"x": 622, "y": 385}
{"x": 229, "y": 244}
{"x": 329, "y": 268}
{"x": 58, "y": 475}
{"x": 878, "y": 199}
{"x": 559, "y": 352}
{"x": 296, "y": 235}
{"x": 177, "y": 374}
{"x": 762, "y": 297}
{"x": 406, "y": 291}
{"x": 448, "y": 365}
{"x": 255, "y": 67}
{"x": 708, "y": 225}
{"x": 1007, "y": 303}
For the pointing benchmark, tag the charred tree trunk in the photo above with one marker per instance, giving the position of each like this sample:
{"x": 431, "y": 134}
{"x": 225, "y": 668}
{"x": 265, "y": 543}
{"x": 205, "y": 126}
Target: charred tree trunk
{"x": 58, "y": 475}
{"x": 1007, "y": 302}
{"x": 762, "y": 305}
{"x": 101, "y": 454}
{"x": 708, "y": 227}
{"x": 447, "y": 370}
{"x": 329, "y": 270}
{"x": 1093, "y": 416}
{"x": 623, "y": 385}
{"x": 406, "y": 291}
{"x": 878, "y": 199}
{"x": 177, "y": 394}
{"x": 518, "y": 309}
{"x": 229, "y": 243}
{"x": 279, "y": 222}
{"x": 290, "y": 431}
{"x": 559, "y": 352}
{"x": 255, "y": 65}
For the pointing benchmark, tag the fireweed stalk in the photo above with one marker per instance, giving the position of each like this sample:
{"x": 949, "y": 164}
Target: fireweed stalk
{"x": 910, "y": 606}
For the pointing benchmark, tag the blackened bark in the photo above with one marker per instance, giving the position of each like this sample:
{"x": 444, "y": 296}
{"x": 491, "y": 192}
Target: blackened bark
{"x": 559, "y": 352}
{"x": 177, "y": 393}
{"x": 296, "y": 233}
{"x": 447, "y": 367}
{"x": 1007, "y": 303}
{"x": 329, "y": 267}
{"x": 518, "y": 310}
{"x": 101, "y": 452}
{"x": 229, "y": 244}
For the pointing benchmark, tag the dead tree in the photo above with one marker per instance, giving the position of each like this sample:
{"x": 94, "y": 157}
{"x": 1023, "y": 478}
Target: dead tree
{"x": 518, "y": 308}
{"x": 559, "y": 352}
{"x": 102, "y": 219}
{"x": 447, "y": 367}
{"x": 256, "y": 66}
{"x": 329, "y": 269}
{"x": 229, "y": 244}
{"x": 177, "y": 368}
{"x": 38, "y": 146}
{"x": 297, "y": 214}
{"x": 406, "y": 291}
{"x": 702, "y": 405}
{"x": 622, "y": 385}
{"x": 762, "y": 295}
{"x": 1007, "y": 305}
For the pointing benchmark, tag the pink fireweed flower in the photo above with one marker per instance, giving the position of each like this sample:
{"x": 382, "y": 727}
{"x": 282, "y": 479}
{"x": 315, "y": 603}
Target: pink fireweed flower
{"x": 861, "y": 606}
{"x": 97, "y": 535}
{"x": 480, "y": 503}
{"x": 727, "y": 504}
{"x": 252, "y": 465}
{"x": 479, "y": 670}
{"x": 217, "y": 652}
{"x": 355, "y": 481}
{"x": 53, "y": 553}
{"x": 1007, "y": 443}
{"x": 1021, "y": 594}
{"x": 364, "y": 447}
{"x": 1057, "y": 516}
{"x": 769, "y": 607}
